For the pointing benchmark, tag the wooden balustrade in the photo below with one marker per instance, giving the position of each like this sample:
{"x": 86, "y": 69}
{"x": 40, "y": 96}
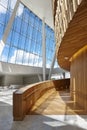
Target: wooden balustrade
{"x": 24, "y": 98}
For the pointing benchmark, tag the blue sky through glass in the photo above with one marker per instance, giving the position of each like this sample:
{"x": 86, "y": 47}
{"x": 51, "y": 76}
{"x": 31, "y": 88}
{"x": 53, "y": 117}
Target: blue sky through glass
{"x": 24, "y": 42}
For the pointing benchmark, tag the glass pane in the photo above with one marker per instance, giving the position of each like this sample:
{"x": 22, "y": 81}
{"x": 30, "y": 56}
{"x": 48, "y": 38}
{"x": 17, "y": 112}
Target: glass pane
{"x": 50, "y": 46}
{"x": 8, "y": 15}
{"x": 31, "y": 59}
{"x": 48, "y": 55}
{"x": 24, "y": 26}
{"x": 36, "y": 60}
{"x": 4, "y": 56}
{"x": 26, "y": 35}
{"x": 20, "y": 10}
{"x": 21, "y": 42}
{"x": 19, "y": 57}
{"x": 40, "y": 62}
{"x": 12, "y": 55}
{"x": 34, "y": 36}
{"x": 30, "y": 31}
{"x": 17, "y": 24}
{"x": 48, "y": 64}
{"x": 2, "y": 14}
{"x": 32, "y": 17}
{"x": 32, "y": 48}
{"x": 40, "y": 25}
{"x": 40, "y": 50}
{"x": 36, "y": 23}
{"x": 9, "y": 38}
{"x": 36, "y": 49}
{"x": 26, "y": 14}
{"x": 47, "y": 42}
{"x": 39, "y": 36}
{"x": 25, "y": 58}
{"x": 27, "y": 44}
{"x": 15, "y": 39}
{"x": 1, "y": 30}
{"x": 12, "y": 3}
{"x": 4, "y": 3}
{"x": 56, "y": 64}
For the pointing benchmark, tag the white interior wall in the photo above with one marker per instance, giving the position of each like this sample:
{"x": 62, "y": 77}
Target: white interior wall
{"x": 1, "y": 80}
{"x": 30, "y": 79}
{"x": 8, "y": 80}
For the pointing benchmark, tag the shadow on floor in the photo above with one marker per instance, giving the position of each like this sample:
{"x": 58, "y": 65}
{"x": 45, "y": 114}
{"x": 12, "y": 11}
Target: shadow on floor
{"x": 47, "y": 122}
{"x": 56, "y": 103}
{"x": 70, "y": 104}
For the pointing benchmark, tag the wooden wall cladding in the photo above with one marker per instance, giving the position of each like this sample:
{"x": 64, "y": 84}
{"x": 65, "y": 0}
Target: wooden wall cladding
{"x": 78, "y": 81}
{"x": 24, "y": 98}
{"x": 54, "y": 8}
{"x": 75, "y": 37}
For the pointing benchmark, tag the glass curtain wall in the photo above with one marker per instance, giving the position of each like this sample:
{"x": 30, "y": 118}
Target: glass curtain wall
{"x": 24, "y": 42}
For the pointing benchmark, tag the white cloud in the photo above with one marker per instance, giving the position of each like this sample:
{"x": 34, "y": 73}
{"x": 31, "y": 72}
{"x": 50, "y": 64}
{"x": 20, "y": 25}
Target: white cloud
{"x": 2, "y": 10}
{"x": 33, "y": 59}
{"x": 48, "y": 65}
{"x": 12, "y": 5}
{"x": 12, "y": 59}
{"x": 18, "y": 55}
{"x": 5, "y": 3}
{"x": 20, "y": 10}
{"x": 56, "y": 64}
{"x": 2, "y": 45}
{"x": 27, "y": 56}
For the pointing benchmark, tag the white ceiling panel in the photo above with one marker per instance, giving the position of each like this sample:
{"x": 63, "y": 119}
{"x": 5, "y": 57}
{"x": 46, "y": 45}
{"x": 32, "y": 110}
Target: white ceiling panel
{"x": 42, "y": 8}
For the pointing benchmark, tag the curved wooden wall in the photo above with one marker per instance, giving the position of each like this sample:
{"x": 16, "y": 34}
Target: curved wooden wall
{"x": 72, "y": 54}
{"x": 24, "y": 98}
{"x": 78, "y": 81}
{"x": 75, "y": 37}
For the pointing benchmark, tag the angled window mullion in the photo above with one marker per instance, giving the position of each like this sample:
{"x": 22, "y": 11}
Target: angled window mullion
{"x": 32, "y": 35}
{"x": 25, "y": 44}
{"x": 8, "y": 27}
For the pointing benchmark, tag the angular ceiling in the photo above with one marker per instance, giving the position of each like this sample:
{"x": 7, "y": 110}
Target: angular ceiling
{"x": 42, "y": 8}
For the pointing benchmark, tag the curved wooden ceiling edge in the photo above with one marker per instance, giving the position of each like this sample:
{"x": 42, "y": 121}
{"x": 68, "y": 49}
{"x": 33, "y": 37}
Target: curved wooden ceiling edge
{"x": 75, "y": 37}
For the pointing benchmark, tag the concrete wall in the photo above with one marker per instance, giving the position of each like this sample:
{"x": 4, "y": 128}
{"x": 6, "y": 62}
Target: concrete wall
{"x": 12, "y": 80}
{"x": 1, "y": 77}
{"x": 14, "y": 69}
{"x": 20, "y": 74}
{"x": 8, "y": 80}
{"x": 30, "y": 79}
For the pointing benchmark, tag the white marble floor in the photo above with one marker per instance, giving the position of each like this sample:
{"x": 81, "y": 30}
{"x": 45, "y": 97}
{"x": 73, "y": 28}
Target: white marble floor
{"x": 36, "y": 122}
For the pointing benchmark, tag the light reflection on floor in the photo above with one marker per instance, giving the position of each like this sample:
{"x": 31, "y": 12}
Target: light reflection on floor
{"x": 36, "y": 122}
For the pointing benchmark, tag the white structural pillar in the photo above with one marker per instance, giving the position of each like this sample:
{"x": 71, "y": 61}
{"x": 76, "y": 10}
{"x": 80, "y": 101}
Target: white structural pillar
{"x": 52, "y": 65}
{"x": 63, "y": 75}
{"x": 39, "y": 77}
{"x": 44, "y": 49}
{"x": 8, "y": 27}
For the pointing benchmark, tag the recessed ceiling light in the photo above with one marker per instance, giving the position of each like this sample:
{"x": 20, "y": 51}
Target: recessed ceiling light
{"x": 66, "y": 58}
